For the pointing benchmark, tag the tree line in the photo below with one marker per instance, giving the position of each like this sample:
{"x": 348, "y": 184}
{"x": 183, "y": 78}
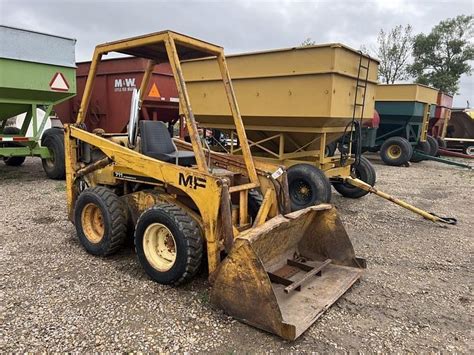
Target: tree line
{"x": 438, "y": 58}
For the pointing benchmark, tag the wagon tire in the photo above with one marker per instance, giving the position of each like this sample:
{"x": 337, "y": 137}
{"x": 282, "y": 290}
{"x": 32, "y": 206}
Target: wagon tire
{"x": 255, "y": 200}
{"x": 101, "y": 221}
{"x": 434, "y": 146}
{"x": 308, "y": 186}
{"x": 441, "y": 143}
{"x": 469, "y": 150}
{"x": 423, "y": 147}
{"x": 396, "y": 151}
{"x": 364, "y": 171}
{"x": 54, "y": 167}
{"x": 169, "y": 244}
{"x": 330, "y": 149}
{"x": 13, "y": 161}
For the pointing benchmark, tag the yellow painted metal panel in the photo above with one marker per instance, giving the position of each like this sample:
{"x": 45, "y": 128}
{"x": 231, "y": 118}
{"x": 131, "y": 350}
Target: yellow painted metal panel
{"x": 299, "y": 87}
{"x": 406, "y": 92}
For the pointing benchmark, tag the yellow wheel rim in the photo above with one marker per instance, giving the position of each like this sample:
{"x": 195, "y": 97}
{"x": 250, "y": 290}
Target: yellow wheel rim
{"x": 394, "y": 151}
{"x": 93, "y": 223}
{"x": 159, "y": 247}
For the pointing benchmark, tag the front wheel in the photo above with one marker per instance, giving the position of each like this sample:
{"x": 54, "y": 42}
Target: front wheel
{"x": 396, "y": 151}
{"x": 169, "y": 244}
{"x": 363, "y": 171}
{"x": 308, "y": 186}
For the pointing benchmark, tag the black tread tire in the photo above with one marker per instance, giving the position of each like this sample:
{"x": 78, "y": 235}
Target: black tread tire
{"x": 114, "y": 216}
{"x": 364, "y": 171}
{"x": 441, "y": 143}
{"x": 314, "y": 179}
{"x": 53, "y": 130}
{"x": 405, "y": 147}
{"x": 255, "y": 200}
{"x": 55, "y": 169}
{"x": 423, "y": 147}
{"x": 468, "y": 150}
{"x": 188, "y": 239}
{"x": 13, "y": 161}
{"x": 330, "y": 149}
{"x": 434, "y": 146}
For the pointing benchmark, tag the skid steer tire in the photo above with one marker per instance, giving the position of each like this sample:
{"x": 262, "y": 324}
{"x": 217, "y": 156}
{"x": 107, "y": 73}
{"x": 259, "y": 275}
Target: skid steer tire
{"x": 434, "y": 146}
{"x": 363, "y": 171}
{"x": 396, "y": 151}
{"x": 12, "y": 161}
{"x": 54, "y": 167}
{"x": 423, "y": 147}
{"x": 101, "y": 221}
{"x": 308, "y": 186}
{"x": 169, "y": 244}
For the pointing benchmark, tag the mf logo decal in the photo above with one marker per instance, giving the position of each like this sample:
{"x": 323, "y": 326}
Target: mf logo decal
{"x": 191, "y": 181}
{"x": 125, "y": 84}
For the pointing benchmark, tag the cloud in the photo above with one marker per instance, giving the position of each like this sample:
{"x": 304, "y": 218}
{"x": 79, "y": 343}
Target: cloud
{"x": 239, "y": 26}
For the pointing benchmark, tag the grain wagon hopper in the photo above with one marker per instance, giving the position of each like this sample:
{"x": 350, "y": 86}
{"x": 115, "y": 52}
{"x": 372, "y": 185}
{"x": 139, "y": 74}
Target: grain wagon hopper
{"x": 110, "y": 98}
{"x": 405, "y": 112}
{"x": 459, "y": 136}
{"x": 37, "y": 72}
{"x": 269, "y": 267}
{"x": 438, "y": 124}
{"x": 295, "y": 104}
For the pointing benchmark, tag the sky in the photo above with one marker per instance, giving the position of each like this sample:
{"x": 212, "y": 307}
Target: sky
{"x": 239, "y": 25}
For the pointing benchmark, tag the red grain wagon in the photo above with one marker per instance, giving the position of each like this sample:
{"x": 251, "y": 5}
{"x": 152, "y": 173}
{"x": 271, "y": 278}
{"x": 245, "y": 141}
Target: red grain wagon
{"x": 112, "y": 92}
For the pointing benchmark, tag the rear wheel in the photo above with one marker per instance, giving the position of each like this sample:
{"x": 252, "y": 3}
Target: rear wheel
{"x": 169, "y": 244}
{"x": 308, "y": 186}
{"x": 363, "y": 171}
{"x": 13, "y": 161}
{"x": 101, "y": 221}
{"x": 422, "y": 147}
{"x": 434, "y": 146}
{"x": 469, "y": 150}
{"x": 441, "y": 143}
{"x": 54, "y": 166}
{"x": 396, "y": 151}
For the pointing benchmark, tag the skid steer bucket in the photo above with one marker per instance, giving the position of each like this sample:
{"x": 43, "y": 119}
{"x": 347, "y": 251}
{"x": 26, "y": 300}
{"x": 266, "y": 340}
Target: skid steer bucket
{"x": 282, "y": 275}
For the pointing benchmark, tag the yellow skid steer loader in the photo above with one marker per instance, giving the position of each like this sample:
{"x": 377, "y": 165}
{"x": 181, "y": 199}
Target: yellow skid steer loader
{"x": 271, "y": 268}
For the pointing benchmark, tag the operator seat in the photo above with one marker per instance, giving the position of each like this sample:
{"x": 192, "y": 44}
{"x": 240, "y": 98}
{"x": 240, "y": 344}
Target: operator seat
{"x": 156, "y": 143}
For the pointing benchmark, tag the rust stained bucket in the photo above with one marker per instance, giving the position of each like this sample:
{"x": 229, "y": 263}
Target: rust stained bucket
{"x": 282, "y": 275}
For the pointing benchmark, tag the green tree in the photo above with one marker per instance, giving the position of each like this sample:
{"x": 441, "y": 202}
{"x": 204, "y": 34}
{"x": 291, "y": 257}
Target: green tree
{"x": 442, "y": 56}
{"x": 393, "y": 51}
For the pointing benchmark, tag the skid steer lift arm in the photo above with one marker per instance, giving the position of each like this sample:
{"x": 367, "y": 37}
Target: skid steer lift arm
{"x": 442, "y": 221}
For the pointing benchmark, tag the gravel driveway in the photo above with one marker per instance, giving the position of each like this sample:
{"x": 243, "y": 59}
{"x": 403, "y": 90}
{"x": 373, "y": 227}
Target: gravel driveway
{"x": 415, "y": 296}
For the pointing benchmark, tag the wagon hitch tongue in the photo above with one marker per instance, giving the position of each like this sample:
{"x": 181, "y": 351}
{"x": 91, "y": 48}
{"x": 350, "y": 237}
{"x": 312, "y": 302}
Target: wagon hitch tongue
{"x": 282, "y": 275}
{"x": 441, "y": 221}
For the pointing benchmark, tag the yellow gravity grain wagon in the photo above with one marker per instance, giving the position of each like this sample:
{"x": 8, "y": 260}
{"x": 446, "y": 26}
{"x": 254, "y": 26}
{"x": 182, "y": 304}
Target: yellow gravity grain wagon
{"x": 296, "y": 103}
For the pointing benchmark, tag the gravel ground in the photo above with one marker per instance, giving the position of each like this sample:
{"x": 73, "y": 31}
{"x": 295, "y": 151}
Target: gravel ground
{"x": 415, "y": 296}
